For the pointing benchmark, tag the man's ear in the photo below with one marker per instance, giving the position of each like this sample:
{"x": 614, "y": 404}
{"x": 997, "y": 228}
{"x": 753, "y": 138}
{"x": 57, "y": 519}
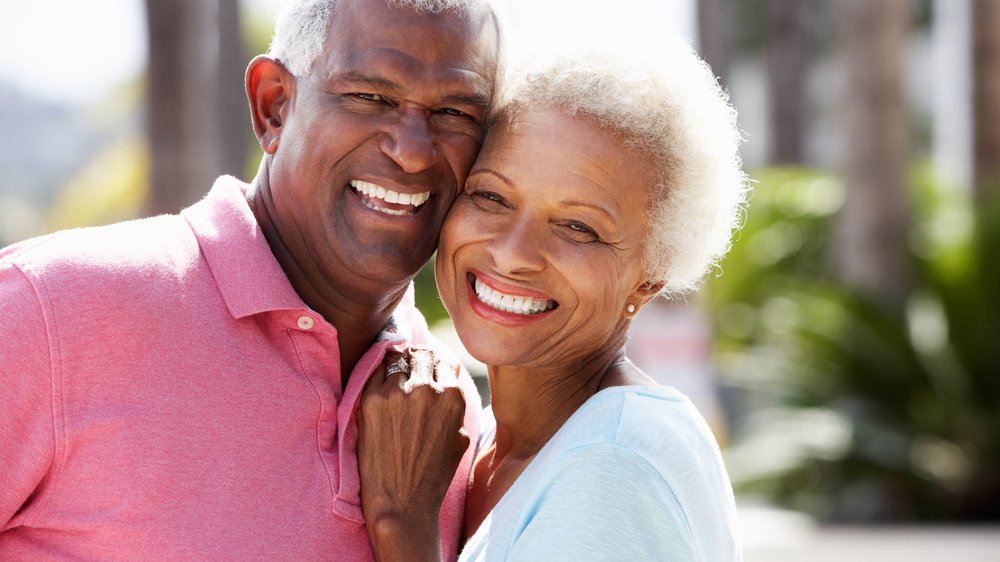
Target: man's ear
{"x": 269, "y": 91}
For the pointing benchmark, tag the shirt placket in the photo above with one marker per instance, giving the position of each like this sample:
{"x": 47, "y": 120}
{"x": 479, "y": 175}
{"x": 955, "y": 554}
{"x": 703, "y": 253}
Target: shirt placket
{"x": 318, "y": 354}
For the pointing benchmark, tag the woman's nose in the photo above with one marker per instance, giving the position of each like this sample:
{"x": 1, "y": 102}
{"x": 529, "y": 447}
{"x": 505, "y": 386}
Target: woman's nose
{"x": 518, "y": 248}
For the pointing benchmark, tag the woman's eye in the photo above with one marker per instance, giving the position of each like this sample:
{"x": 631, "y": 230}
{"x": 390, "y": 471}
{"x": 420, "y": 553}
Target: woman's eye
{"x": 452, "y": 112}
{"x": 488, "y": 199}
{"x": 583, "y": 232}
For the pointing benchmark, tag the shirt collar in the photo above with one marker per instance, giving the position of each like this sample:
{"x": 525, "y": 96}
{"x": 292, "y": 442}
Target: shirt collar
{"x": 248, "y": 276}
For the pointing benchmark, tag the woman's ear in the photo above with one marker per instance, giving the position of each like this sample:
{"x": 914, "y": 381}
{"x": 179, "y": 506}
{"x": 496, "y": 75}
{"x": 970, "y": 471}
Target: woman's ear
{"x": 269, "y": 90}
{"x": 644, "y": 293}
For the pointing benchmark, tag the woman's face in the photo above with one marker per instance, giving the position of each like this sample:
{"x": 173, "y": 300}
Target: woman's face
{"x": 543, "y": 249}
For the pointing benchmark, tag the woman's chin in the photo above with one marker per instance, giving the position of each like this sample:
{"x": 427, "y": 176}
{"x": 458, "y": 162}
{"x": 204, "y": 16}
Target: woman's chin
{"x": 493, "y": 352}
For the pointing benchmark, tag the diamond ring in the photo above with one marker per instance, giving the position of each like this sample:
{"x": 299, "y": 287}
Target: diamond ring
{"x": 396, "y": 367}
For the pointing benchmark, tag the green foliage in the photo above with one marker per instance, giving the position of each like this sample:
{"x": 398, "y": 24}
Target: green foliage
{"x": 428, "y": 301}
{"x": 869, "y": 412}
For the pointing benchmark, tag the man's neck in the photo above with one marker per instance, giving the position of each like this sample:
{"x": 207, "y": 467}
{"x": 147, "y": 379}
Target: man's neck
{"x": 359, "y": 312}
{"x": 358, "y": 308}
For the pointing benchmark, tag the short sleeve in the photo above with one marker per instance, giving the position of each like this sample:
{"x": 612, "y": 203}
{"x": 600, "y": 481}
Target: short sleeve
{"x": 604, "y": 502}
{"x": 26, "y": 412}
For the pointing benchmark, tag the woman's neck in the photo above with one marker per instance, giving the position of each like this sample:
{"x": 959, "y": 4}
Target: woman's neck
{"x": 530, "y": 404}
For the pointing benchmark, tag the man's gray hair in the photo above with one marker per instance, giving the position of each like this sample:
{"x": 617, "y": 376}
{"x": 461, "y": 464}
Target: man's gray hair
{"x": 302, "y": 27}
{"x": 663, "y": 100}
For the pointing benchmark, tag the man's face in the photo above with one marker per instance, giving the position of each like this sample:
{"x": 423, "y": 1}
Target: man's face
{"x": 377, "y": 140}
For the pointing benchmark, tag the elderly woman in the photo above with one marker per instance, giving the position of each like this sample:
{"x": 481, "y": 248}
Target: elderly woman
{"x": 605, "y": 180}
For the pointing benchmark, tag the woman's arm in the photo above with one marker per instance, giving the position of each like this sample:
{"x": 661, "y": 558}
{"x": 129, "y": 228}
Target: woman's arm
{"x": 410, "y": 443}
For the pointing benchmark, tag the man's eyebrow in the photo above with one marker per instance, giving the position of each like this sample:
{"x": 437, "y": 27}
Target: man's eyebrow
{"x": 377, "y": 82}
{"x": 477, "y": 100}
{"x": 362, "y": 79}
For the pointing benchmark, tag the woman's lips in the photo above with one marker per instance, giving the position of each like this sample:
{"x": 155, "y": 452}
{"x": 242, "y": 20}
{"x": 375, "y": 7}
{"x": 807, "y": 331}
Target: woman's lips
{"x": 508, "y": 300}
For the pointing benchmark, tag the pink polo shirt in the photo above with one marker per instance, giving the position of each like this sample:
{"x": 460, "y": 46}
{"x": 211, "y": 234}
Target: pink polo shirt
{"x": 166, "y": 395}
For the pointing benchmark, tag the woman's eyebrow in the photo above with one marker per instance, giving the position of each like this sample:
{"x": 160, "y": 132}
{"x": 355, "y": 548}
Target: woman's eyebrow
{"x": 589, "y": 205}
{"x": 492, "y": 172}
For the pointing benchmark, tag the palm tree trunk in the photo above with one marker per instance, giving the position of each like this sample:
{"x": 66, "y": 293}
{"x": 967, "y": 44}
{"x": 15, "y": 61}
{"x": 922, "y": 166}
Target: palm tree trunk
{"x": 188, "y": 76}
{"x": 986, "y": 98}
{"x": 713, "y": 33}
{"x": 237, "y": 137}
{"x": 874, "y": 221}
{"x": 786, "y": 49}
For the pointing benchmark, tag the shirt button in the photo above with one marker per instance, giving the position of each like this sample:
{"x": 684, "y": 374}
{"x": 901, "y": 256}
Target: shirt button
{"x": 305, "y": 322}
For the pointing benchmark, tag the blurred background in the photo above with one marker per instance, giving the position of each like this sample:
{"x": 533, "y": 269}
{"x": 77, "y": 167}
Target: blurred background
{"x": 847, "y": 351}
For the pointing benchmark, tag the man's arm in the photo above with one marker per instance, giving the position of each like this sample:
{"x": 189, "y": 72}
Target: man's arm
{"x": 27, "y": 413}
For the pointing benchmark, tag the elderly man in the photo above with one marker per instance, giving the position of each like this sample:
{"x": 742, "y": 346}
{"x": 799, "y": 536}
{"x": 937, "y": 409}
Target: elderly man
{"x": 183, "y": 387}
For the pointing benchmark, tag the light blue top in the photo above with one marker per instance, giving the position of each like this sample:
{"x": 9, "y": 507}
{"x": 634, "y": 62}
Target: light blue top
{"x": 634, "y": 474}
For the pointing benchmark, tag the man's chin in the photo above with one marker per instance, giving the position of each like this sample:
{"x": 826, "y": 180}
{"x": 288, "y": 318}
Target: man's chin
{"x": 391, "y": 268}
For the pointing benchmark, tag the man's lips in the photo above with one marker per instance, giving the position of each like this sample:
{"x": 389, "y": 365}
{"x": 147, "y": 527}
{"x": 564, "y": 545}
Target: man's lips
{"x": 387, "y": 201}
{"x": 510, "y": 301}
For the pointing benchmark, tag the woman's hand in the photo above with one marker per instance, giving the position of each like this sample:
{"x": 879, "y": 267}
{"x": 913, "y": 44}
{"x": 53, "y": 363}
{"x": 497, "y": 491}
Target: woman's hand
{"x": 410, "y": 442}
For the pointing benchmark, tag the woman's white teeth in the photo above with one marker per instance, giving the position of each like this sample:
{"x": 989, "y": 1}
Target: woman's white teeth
{"x": 509, "y": 303}
{"x": 389, "y": 196}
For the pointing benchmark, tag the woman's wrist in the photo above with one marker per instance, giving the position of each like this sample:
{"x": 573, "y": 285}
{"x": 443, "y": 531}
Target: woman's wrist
{"x": 397, "y": 537}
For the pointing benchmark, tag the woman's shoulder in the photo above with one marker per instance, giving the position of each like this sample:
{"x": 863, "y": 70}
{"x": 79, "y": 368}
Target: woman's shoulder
{"x": 634, "y": 463}
{"x": 656, "y": 427}
{"x": 648, "y": 419}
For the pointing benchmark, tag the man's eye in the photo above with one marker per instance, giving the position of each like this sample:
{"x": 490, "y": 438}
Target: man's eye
{"x": 368, "y": 97}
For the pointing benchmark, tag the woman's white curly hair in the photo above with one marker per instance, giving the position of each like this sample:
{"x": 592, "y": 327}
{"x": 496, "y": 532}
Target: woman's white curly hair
{"x": 662, "y": 99}
{"x": 301, "y": 29}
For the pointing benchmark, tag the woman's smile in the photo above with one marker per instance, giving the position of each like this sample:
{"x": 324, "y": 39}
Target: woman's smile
{"x": 507, "y": 305}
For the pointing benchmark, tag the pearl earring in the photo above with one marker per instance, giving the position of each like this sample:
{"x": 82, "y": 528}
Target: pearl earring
{"x": 630, "y": 308}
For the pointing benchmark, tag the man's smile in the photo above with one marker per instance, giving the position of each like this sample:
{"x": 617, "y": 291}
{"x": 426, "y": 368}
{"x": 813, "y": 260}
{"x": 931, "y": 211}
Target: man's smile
{"x": 387, "y": 201}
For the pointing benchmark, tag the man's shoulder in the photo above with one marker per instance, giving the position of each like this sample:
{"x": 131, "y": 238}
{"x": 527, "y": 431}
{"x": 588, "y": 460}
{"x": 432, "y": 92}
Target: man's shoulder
{"x": 142, "y": 245}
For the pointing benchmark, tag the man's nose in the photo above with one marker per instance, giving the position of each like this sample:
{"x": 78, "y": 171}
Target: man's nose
{"x": 409, "y": 142}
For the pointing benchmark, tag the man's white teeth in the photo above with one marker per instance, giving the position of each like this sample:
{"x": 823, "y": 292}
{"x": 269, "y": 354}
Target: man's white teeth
{"x": 389, "y": 196}
{"x": 396, "y": 212}
{"x": 508, "y": 303}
